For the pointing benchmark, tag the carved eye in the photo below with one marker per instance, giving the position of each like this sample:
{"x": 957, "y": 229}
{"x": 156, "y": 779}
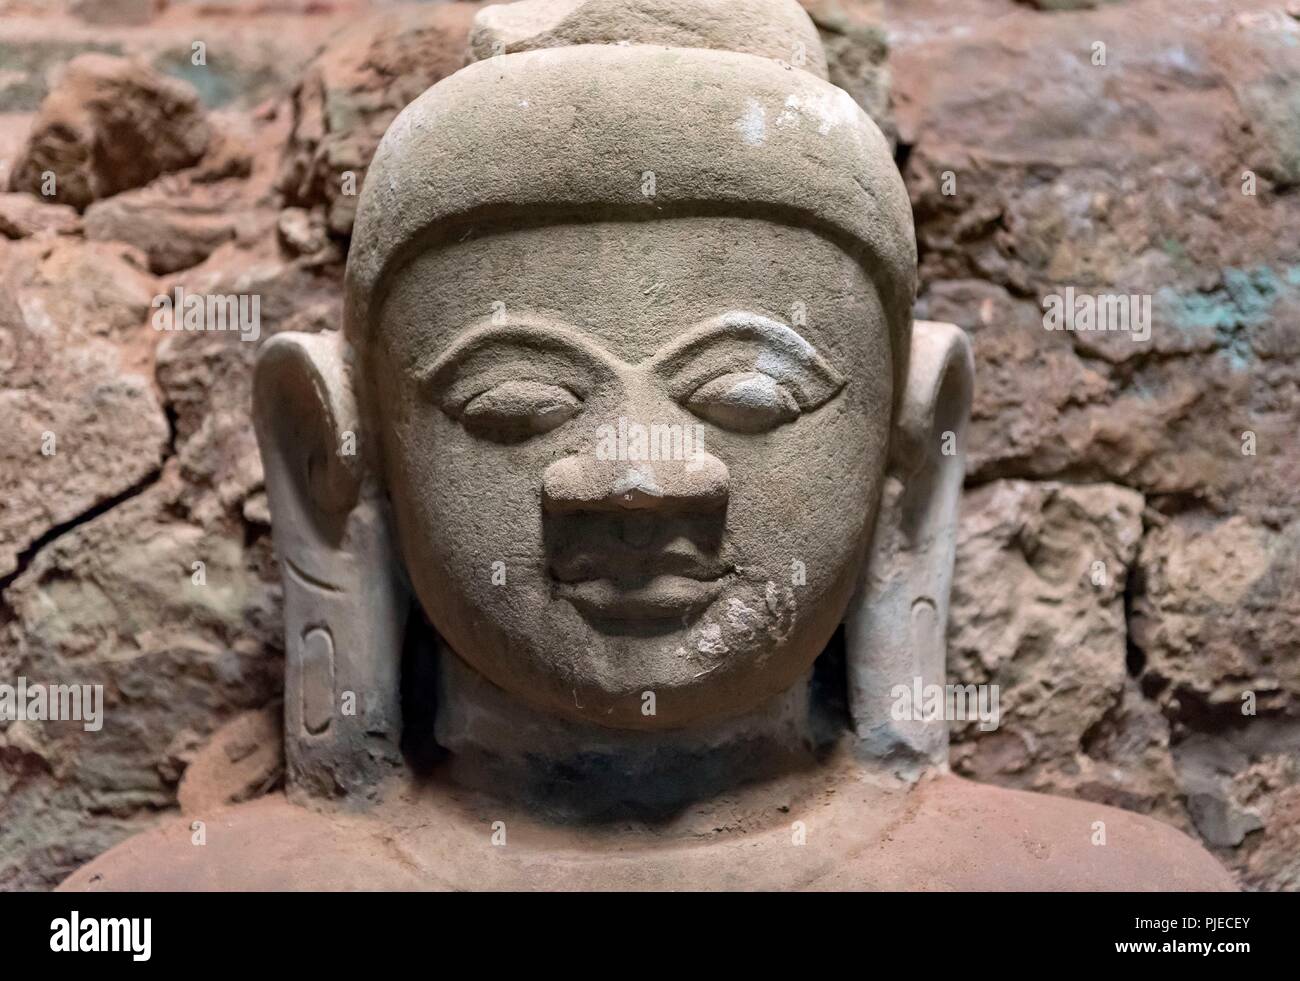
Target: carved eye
{"x": 516, "y": 410}
{"x": 746, "y": 402}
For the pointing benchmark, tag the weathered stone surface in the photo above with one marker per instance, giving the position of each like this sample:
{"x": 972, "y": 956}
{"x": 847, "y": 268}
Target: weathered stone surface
{"x": 83, "y": 423}
{"x": 179, "y": 219}
{"x": 302, "y": 232}
{"x": 369, "y": 72}
{"x": 174, "y": 232}
{"x": 22, "y": 215}
{"x": 1128, "y": 177}
{"x": 1124, "y": 177}
{"x": 352, "y": 91}
{"x": 662, "y": 603}
{"x": 748, "y": 26}
{"x": 95, "y": 604}
{"x": 925, "y": 846}
{"x": 1038, "y": 609}
{"x": 206, "y": 378}
{"x": 117, "y": 602}
{"x": 1121, "y": 178}
{"x": 852, "y": 52}
{"x": 1242, "y": 787}
{"x": 111, "y": 124}
{"x": 243, "y": 759}
{"x": 1216, "y": 615}
{"x": 853, "y": 36}
{"x": 1207, "y": 767}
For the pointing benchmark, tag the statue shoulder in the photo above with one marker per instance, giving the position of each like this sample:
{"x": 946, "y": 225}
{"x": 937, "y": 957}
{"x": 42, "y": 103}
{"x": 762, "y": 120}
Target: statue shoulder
{"x": 268, "y": 844}
{"x": 958, "y": 834}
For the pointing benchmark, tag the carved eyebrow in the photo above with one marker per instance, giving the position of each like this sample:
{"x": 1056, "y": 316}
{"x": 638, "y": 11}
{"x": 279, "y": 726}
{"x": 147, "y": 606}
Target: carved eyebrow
{"x": 741, "y": 341}
{"x": 551, "y": 350}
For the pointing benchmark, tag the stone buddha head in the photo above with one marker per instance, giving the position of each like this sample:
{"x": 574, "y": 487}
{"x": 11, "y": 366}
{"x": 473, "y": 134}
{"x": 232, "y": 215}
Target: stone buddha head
{"x": 628, "y": 401}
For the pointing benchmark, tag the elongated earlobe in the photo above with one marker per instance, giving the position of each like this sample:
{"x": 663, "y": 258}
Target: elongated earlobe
{"x": 305, "y": 406}
{"x": 344, "y": 604}
{"x": 896, "y": 625}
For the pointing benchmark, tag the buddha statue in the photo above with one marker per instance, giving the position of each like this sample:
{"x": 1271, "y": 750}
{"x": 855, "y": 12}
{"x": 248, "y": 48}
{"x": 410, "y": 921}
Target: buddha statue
{"x": 623, "y": 506}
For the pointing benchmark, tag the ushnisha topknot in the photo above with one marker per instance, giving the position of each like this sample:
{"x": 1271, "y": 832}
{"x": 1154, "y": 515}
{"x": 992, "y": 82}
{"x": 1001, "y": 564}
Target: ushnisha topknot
{"x": 777, "y": 29}
{"x": 582, "y": 133}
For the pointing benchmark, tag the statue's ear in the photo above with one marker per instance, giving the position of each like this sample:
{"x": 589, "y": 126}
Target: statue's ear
{"x": 344, "y": 604}
{"x": 305, "y": 410}
{"x": 895, "y": 628}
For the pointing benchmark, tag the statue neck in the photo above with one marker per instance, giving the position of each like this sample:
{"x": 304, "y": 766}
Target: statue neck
{"x": 580, "y": 771}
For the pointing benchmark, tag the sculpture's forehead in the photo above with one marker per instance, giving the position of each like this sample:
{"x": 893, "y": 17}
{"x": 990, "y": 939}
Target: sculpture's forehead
{"x": 634, "y": 285}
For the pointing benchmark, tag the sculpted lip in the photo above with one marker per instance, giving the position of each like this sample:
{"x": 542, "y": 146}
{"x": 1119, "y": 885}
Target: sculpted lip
{"x": 614, "y": 582}
{"x": 661, "y": 597}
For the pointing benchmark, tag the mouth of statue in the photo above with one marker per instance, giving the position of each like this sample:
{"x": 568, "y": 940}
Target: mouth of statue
{"x": 639, "y": 574}
{"x": 665, "y": 599}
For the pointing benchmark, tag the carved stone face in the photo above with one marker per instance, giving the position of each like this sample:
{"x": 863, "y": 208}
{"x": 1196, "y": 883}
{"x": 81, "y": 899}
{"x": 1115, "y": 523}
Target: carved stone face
{"x": 634, "y": 457}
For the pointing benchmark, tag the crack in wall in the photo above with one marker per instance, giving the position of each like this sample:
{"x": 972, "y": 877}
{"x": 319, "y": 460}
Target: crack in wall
{"x": 56, "y": 531}
{"x": 28, "y": 555}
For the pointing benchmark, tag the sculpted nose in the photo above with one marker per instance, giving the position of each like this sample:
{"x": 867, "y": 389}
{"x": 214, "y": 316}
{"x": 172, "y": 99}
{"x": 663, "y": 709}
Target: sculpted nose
{"x": 585, "y": 482}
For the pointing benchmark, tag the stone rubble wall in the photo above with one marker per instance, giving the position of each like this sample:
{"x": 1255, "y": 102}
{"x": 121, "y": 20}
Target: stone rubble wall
{"x": 1126, "y": 575}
